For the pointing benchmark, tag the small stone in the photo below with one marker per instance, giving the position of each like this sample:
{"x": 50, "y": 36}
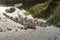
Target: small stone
{"x": 21, "y": 27}
{"x": 9, "y": 29}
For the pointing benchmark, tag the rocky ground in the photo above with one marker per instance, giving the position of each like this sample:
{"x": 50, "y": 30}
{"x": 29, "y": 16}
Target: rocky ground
{"x": 10, "y": 30}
